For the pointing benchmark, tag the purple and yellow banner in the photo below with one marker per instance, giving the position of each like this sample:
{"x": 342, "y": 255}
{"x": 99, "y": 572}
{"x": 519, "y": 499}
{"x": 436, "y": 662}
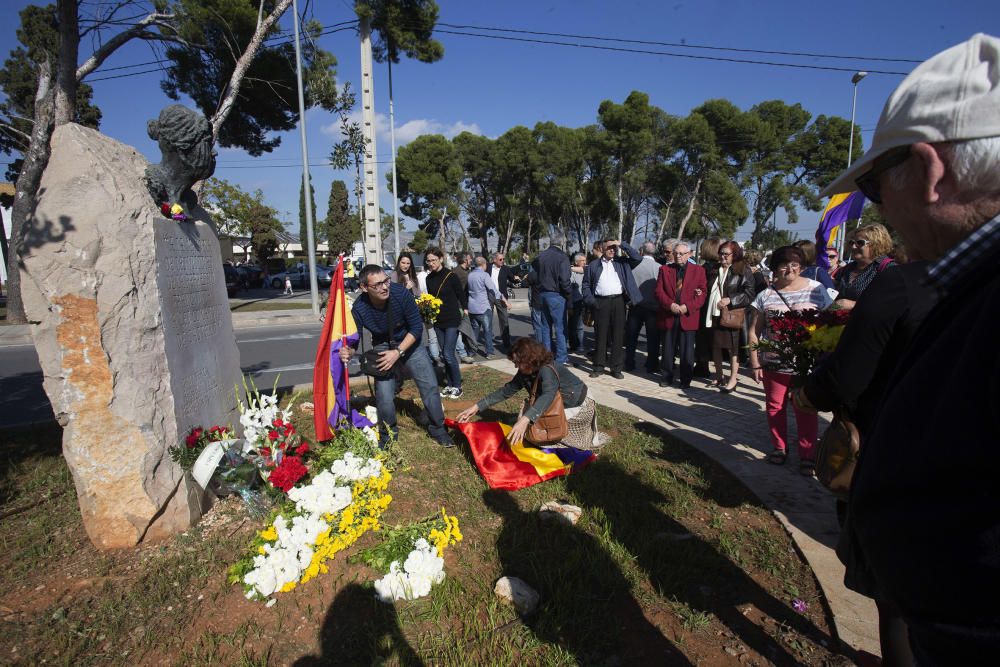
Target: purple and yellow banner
{"x": 841, "y": 209}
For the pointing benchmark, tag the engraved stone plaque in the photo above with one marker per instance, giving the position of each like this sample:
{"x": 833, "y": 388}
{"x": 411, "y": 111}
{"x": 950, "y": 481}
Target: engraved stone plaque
{"x": 197, "y": 326}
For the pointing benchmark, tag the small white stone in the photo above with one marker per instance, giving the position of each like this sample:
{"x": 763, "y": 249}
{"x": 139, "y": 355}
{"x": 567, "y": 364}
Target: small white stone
{"x": 523, "y": 596}
{"x": 561, "y": 512}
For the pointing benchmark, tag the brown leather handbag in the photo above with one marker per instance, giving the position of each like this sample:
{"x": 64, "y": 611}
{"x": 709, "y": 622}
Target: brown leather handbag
{"x": 731, "y": 318}
{"x": 551, "y": 426}
{"x": 837, "y": 455}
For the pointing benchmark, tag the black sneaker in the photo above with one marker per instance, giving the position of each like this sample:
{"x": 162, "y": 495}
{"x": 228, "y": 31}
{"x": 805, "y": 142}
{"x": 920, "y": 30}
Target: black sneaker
{"x": 618, "y": 375}
{"x": 455, "y": 393}
{"x": 445, "y": 441}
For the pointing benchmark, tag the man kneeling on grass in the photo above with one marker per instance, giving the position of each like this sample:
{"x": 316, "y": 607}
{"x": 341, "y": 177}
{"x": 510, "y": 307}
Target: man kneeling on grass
{"x": 390, "y": 314}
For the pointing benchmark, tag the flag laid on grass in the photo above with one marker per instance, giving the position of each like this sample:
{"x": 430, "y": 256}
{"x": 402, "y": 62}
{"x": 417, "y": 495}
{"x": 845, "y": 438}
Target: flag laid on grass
{"x": 841, "y": 209}
{"x": 331, "y": 389}
{"x": 514, "y": 467}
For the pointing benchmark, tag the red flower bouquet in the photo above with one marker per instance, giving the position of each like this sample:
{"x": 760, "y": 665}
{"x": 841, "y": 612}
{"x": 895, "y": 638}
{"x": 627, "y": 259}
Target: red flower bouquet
{"x": 797, "y": 340}
{"x": 195, "y": 442}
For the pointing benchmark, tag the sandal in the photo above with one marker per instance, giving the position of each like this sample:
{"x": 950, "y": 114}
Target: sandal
{"x": 777, "y": 457}
{"x": 807, "y": 468}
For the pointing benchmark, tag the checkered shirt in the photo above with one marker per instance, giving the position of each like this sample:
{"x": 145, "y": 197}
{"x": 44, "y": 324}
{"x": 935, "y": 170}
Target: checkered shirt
{"x": 982, "y": 243}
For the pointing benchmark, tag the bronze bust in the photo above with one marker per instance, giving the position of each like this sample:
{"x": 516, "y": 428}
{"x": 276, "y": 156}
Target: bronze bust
{"x": 185, "y": 140}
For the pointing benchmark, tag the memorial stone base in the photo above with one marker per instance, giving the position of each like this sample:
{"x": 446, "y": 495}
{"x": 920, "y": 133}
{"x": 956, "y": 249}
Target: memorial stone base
{"x": 132, "y": 327}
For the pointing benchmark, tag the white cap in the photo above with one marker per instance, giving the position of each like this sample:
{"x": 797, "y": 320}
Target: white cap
{"x": 954, "y": 95}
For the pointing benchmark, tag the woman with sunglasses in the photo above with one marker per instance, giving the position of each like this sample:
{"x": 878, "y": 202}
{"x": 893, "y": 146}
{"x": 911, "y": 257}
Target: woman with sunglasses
{"x": 870, "y": 246}
{"x": 446, "y": 286}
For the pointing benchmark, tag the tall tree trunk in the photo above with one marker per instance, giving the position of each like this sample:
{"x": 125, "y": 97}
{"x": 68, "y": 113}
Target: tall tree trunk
{"x": 264, "y": 24}
{"x": 443, "y": 234}
{"x": 69, "y": 49}
{"x": 510, "y": 232}
{"x": 621, "y": 208}
{"x": 527, "y": 239}
{"x": 687, "y": 216}
{"x": 26, "y": 189}
{"x": 664, "y": 221}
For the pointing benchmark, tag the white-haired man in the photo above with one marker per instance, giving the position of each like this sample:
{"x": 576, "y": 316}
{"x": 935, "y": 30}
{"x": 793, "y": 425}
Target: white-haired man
{"x": 925, "y": 500}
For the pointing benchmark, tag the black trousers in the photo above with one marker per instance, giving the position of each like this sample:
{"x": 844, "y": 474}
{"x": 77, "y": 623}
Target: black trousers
{"x": 685, "y": 339}
{"x": 503, "y": 320}
{"x": 639, "y": 317}
{"x": 609, "y": 330}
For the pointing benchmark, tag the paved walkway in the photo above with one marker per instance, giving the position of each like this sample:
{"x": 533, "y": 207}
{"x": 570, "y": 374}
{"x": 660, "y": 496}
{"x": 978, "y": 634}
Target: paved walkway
{"x": 732, "y": 430}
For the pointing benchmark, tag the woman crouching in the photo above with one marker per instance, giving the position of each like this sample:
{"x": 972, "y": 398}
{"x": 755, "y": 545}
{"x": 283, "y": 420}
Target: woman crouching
{"x": 534, "y": 364}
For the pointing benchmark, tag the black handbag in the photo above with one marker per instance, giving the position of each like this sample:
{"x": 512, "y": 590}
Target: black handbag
{"x": 370, "y": 358}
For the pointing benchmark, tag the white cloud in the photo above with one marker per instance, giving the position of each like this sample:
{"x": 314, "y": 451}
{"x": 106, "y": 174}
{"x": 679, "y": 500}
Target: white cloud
{"x": 405, "y": 132}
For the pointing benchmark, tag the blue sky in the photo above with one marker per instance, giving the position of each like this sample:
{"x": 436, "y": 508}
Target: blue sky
{"x": 489, "y": 85}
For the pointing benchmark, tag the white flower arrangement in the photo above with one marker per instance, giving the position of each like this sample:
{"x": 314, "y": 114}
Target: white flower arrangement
{"x": 259, "y": 413}
{"x": 422, "y": 569}
{"x": 331, "y": 512}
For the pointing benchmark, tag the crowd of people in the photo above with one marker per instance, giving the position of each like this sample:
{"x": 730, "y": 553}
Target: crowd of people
{"x": 915, "y": 371}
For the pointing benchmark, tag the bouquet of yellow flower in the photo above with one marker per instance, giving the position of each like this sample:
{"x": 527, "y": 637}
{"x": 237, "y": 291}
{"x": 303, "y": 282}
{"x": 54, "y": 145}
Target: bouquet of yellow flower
{"x": 429, "y": 306}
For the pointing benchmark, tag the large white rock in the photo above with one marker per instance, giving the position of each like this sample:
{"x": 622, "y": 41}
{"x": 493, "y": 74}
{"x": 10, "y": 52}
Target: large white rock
{"x": 519, "y": 593}
{"x": 132, "y": 327}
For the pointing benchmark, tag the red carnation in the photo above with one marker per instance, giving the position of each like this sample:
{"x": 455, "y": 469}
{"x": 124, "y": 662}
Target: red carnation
{"x": 289, "y": 430}
{"x": 165, "y": 208}
{"x": 302, "y": 449}
{"x": 278, "y": 422}
{"x": 273, "y": 435}
{"x": 287, "y": 473}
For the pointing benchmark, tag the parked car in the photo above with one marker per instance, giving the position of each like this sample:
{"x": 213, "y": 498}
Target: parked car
{"x": 250, "y": 276}
{"x": 233, "y": 281}
{"x": 300, "y": 277}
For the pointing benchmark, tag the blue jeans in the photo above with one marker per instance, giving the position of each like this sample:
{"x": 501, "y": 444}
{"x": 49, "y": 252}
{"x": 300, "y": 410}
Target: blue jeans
{"x": 575, "y": 329}
{"x": 482, "y": 324}
{"x": 447, "y": 339}
{"x": 418, "y": 366}
{"x": 460, "y": 346}
{"x": 554, "y": 315}
{"x": 543, "y": 334}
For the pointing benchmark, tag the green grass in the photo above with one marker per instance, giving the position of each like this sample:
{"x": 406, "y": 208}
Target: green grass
{"x": 259, "y": 306}
{"x": 669, "y": 557}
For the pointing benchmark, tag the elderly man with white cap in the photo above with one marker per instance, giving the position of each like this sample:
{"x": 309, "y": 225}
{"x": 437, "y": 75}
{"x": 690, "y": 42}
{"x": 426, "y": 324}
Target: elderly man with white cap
{"x": 925, "y": 500}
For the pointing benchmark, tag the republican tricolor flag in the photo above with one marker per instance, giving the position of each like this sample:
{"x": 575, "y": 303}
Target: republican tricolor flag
{"x": 511, "y": 467}
{"x": 331, "y": 386}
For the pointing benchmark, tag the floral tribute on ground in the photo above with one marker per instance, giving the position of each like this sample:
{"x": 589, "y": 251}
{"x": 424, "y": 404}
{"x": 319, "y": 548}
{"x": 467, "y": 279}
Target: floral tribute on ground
{"x": 412, "y": 557}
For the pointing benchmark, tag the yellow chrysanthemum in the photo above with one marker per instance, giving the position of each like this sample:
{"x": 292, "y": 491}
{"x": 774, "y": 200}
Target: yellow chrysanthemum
{"x": 270, "y": 534}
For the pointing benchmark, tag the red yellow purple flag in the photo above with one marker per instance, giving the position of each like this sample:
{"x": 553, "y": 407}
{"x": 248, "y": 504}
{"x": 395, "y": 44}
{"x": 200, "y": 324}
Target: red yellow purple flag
{"x": 331, "y": 389}
{"x": 511, "y": 467}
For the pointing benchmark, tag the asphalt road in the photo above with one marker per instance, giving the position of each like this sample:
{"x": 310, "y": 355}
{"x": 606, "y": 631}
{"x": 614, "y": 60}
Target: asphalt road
{"x": 267, "y": 354}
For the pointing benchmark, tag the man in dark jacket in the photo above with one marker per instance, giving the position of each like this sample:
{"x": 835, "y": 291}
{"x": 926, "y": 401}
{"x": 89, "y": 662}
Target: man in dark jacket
{"x": 609, "y": 286}
{"x": 551, "y": 278}
{"x": 925, "y": 500}
{"x": 503, "y": 281}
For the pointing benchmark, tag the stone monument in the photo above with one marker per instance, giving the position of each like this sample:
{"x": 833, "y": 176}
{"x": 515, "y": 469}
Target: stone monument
{"x": 131, "y": 323}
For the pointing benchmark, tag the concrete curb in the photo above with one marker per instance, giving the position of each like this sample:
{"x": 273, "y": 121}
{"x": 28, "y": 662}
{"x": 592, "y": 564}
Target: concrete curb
{"x": 731, "y": 429}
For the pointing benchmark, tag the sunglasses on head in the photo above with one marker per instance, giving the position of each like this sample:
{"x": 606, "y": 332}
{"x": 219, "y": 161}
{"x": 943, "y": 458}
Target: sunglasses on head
{"x": 868, "y": 181}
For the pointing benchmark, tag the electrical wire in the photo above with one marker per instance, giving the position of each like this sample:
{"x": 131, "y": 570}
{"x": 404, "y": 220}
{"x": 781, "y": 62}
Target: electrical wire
{"x": 689, "y": 56}
{"x": 682, "y": 45}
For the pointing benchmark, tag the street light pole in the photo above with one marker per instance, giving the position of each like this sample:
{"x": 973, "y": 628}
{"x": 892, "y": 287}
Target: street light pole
{"x": 306, "y": 181}
{"x": 850, "y": 146}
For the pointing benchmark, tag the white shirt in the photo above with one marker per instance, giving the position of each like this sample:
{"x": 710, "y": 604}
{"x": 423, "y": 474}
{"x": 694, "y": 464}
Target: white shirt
{"x": 495, "y": 275}
{"x": 608, "y": 284}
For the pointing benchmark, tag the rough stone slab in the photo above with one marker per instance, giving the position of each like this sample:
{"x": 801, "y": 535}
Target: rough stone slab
{"x": 125, "y": 363}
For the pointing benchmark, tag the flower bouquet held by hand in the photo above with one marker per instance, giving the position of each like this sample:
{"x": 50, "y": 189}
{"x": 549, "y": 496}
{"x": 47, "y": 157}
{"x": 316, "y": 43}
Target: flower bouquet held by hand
{"x": 430, "y": 307}
{"x": 798, "y": 340}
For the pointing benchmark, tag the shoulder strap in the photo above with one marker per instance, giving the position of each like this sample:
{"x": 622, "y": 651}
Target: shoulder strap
{"x": 782, "y": 297}
{"x": 438, "y": 293}
{"x": 538, "y": 377}
{"x": 886, "y": 261}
